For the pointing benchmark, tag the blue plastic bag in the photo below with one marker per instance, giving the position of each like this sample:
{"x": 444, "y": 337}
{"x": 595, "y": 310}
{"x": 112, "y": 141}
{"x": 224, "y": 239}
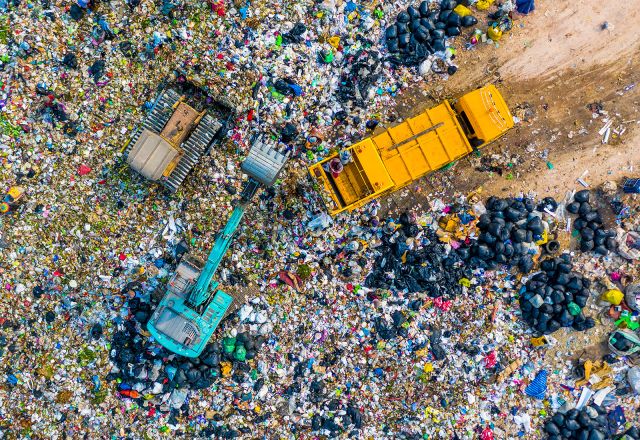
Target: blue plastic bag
{"x": 525, "y": 6}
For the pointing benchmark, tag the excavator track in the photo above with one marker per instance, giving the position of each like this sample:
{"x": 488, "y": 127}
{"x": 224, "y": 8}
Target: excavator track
{"x": 158, "y": 117}
{"x": 194, "y": 148}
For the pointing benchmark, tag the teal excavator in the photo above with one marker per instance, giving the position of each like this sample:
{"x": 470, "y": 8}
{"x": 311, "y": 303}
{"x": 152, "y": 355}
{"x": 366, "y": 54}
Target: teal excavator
{"x": 193, "y": 306}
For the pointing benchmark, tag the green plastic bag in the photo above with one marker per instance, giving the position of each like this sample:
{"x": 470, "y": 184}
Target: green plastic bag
{"x": 228, "y": 344}
{"x": 240, "y": 353}
{"x": 574, "y": 308}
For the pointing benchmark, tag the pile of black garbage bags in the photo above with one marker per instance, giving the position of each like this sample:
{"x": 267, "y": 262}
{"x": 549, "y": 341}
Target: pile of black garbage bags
{"x": 429, "y": 267}
{"x": 593, "y": 236}
{"x": 555, "y": 296}
{"x": 507, "y": 232}
{"x": 420, "y": 32}
{"x": 589, "y": 423}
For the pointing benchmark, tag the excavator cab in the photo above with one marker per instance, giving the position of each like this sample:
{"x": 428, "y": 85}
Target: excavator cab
{"x": 193, "y": 306}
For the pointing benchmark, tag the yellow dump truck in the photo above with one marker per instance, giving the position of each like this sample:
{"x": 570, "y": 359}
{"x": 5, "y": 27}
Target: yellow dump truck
{"x": 386, "y": 162}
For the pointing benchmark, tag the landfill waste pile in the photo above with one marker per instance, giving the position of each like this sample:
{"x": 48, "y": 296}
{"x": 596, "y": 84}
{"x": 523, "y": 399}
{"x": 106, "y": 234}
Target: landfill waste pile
{"x": 423, "y": 31}
{"x": 349, "y": 321}
{"x": 555, "y": 297}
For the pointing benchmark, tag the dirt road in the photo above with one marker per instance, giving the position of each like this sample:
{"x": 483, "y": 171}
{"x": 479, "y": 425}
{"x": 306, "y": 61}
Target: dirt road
{"x": 553, "y": 65}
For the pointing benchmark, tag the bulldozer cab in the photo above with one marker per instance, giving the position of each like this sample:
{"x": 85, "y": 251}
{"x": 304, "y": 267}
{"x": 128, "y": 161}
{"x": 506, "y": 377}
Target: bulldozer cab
{"x": 183, "y": 120}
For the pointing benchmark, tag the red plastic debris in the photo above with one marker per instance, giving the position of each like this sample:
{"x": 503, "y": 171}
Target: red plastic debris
{"x": 83, "y": 169}
{"x": 490, "y": 360}
{"x": 487, "y": 434}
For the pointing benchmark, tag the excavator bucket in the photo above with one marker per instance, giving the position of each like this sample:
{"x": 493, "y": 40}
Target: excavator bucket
{"x": 264, "y": 163}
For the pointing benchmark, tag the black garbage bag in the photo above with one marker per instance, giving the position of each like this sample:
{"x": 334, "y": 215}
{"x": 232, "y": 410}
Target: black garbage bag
{"x": 289, "y": 132}
{"x": 453, "y": 31}
{"x": 37, "y": 292}
{"x": 403, "y": 40}
{"x": 535, "y": 225}
{"x": 295, "y": 34}
{"x": 392, "y": 45}
{"x": 70, "y": 60}
{"x": 438, "y": 45}
{"x": 355, "y": 415}
{"x": 398, "y": 318}
{"x": 448, "y": 4}
{"x": 96, "y": 71}
{"x": 413, "y": 12}
{"x": 454, "y": 20}
{"x": 441, "y": 25}
{"x": 49, "y": 316}
{"x": 193, "y": 375}
{"x": 403, "y": 17}
{"x": 316, "y": 422}
{"x": 428, "y": 24}
{"x": 438, "y": 352}
{"x": 444, "y": 16}
{"x": 422, "y": 34}
{"x": 96, "y": 331}
{"x": 468, "y": 21}
{"x": 424, "y": 9}
{"x": 573, "y": 207}
{"x": 76, "y": 12}
{"x": 548, "y": 203}
{"x": 582, "y": 196}
{"x": 211, "y": 359}
{"x": 584, "y": 209}
{"x": 391, "y": 33}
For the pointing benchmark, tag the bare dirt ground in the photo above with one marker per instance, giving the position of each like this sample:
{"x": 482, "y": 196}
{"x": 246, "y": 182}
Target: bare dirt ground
{"x": 550, "y": 68}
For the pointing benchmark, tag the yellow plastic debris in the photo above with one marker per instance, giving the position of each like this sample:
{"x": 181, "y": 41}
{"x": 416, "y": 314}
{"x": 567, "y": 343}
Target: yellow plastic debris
{"x": 462, "y": 10}
{"x": 539, "y": 342}
{"x": 614, "y": 296}
{"x": 484, "y": 4}
{"x": 226, "y": 369}
{"x": 494, "y": 33}
{"x": 334, "y": 42}
{"x": 464, "y": 282}
{"x": 428, "y": 367}
{"x": 544, "y": 239}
